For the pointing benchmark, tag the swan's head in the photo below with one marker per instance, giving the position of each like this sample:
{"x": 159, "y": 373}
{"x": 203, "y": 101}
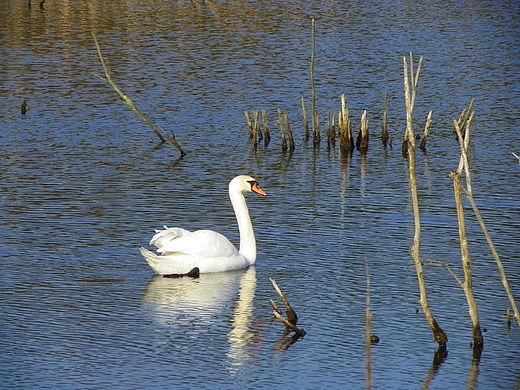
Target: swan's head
{"x": 245, "y": 183}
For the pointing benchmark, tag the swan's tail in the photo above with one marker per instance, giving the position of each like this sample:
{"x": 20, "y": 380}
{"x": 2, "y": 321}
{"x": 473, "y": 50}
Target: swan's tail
{"x": 152, "y": 259}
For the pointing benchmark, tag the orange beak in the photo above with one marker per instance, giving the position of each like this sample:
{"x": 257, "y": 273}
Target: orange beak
{"x": 257, "y": 190}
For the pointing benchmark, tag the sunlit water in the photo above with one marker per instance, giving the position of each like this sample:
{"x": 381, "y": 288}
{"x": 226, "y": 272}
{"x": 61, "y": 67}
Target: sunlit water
{"x": 83, "y": 185}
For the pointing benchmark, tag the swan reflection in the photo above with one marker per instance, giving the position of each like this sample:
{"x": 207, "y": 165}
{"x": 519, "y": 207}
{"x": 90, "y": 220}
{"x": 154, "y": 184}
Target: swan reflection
{"x": 177, "y": 302}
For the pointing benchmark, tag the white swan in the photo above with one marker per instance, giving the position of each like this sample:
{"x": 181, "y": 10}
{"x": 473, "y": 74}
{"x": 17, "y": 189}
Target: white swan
{"x": 181, "y": 250}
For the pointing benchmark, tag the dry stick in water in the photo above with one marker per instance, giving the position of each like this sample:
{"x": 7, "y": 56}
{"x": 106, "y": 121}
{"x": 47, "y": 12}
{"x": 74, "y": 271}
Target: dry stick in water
{"x": 469, "y": 194}
{"x": 438, "y": 333}
{"x": 331, "y": 130}
{"x": 384, "y": 127}
{"x": 368, "y": 338}
{"x": 292, "y": 318}
{"x": 362, "y": 139}
{"x": 314, "y": 117}
{"x": 346, "y": 142}
{"x": 156, "y": 129}
{"x": 267, "y": 135}
{"x": 422, "y": 146}
{"x": 249, "y": 125}
{"x": 282, "y": 132}
{"x": 289, "y": 132}
{"x": 256, "y": 129}
{"x": 305, "y": 121}
{"x": 478, "y": 340}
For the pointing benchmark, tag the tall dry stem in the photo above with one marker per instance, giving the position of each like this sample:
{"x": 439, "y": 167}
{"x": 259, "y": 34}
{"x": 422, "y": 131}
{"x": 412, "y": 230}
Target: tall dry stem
{"x": 438, "y": 333}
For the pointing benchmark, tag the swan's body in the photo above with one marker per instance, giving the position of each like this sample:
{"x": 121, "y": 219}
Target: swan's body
{"x": 181, "y": 250}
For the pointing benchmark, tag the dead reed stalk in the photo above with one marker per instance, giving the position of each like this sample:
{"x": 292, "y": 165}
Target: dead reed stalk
{"x": 463, "y": 137}
{"x": 256, "y": 128}
{"x": 362, "y": 139}
{"x": 249, "y": 125}
{"x": 289, "y": 131}
{"x": 282, "y": 131}
{"x": 346, "y": 141}
{"x": 438, "y": 334}
{"x": 368, "y": 336}
{"x": 305, "y": 121}
{"x": 422, "y": 146}
{"x": 163, "y": 135}
{"x": 314, "y": 116}
{"x": 331, "y": 130}
{"x": 384, "y": 126}
{"x": 267, "y": 134}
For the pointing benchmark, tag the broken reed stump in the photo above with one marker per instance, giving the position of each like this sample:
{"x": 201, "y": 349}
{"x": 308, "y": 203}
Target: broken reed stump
{"x": 422, "y": 146}
{"x": 282, "y": 131}
{"x": 362, "y": 138}
{"x": 163, "y": 136}
{"x": 23, "y": 107}
{"x": 346, "y": 141}
{"x": 292, "y": 319}
{"x": 384, "y": 125}
{"x": 438, "y": 334}
{"x": 256, "y": 128}
{"x": 368, "y": 337}
{"x": 267, "y": 135}
{"x": 249, "y": 125}
{"x": 331, "y": 130}
{"x": 285, "y": 130}
{"x": 253, "y": 126}
{"x": 289, "y": 132}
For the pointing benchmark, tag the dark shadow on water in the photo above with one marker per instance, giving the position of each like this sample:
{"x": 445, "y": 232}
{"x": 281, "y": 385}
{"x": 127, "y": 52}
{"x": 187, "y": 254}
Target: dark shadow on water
{"x": 286, "y": 340}
{"x": 474, "y": 370}
{"x": 438, "y": 358}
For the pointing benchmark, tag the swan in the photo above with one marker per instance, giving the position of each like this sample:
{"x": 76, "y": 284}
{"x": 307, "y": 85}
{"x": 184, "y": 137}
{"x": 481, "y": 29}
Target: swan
{"x": 180, "y": 251}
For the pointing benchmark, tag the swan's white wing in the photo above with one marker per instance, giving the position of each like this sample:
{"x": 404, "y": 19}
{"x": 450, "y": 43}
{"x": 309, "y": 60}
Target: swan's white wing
{"x": 200, "y": 244}
{"x": 162, "y": 237}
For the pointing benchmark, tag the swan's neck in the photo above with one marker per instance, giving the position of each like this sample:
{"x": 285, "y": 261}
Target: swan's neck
{"x": 245, "y": 227}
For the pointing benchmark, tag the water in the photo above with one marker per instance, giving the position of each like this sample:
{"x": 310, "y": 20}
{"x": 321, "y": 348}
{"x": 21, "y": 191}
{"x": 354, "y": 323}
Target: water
{"x": 83, "y": 185}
